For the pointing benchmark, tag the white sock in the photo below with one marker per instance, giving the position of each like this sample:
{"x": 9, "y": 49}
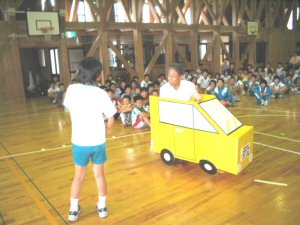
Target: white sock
{"x": 102, "y": 202}
{"x": 74, "y": 204}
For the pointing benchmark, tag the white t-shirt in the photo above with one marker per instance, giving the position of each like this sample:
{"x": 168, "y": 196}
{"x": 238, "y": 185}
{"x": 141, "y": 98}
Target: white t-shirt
{"x": 277, "y": 86}
{"x": 53, "y": 90}
{"x": 87, "y": 104}
{"x": 185, "y": 91}
{"x": 204, "y": 82}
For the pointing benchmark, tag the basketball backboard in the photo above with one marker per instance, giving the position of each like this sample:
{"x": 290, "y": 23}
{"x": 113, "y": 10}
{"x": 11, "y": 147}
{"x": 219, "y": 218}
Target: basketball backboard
{"x": 42, "y": 23}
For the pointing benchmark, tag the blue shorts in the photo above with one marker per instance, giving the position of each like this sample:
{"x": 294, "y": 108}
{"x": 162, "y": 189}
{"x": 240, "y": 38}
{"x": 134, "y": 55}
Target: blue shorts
{"x": 82, "y": 154}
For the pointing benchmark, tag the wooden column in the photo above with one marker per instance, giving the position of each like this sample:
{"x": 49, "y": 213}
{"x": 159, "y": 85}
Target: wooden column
{"x": 64, "y": 61}
{"x": 169, "y": 51}
{"x": 216, "y": 52}
{"x": 235, "y": 36}
{"x": 14, "y": 78}
{"x": 252, "y": 42}
{"x": 138, "y": 53}
{"x": 137, "y": 7}
{"x": 103, "y": 48}
{"x": 194, "y": 50}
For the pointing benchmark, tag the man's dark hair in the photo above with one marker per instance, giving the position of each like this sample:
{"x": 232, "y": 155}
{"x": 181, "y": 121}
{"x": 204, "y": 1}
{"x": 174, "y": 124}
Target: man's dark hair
{"x": 89, "y": 70}
{"x": 221, "y": 79}
{"x": 276, "y": 78}
{"x": 178, "y": 68}
{"x": 138, "y": 97}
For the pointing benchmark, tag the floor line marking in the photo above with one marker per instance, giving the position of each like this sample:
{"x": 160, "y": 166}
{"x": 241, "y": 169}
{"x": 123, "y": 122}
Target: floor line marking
{"x": 265, "y": 109}
{"x": 270, "y": 182}
{"x": 272, "y": 115}
{"x": 31, "y": 193}
{"x": 15, "y": 167}
{"x": 279, "y": 137}
{"x": 2, "y": 219}
{"x": 66, "y": 146}
{"x": 277, "y": 148}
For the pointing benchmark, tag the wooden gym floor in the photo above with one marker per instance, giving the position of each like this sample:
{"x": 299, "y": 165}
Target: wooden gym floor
{"x": 37, "y": 170}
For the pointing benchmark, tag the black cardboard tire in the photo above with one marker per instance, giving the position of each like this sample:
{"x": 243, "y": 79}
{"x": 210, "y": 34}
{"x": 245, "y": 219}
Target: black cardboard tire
{"x": 208, "y": 167}
{"x": 167, "y": 157}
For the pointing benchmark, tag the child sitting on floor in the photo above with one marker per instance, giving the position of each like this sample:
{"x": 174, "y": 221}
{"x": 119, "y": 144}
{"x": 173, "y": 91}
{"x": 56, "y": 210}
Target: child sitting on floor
{"x": 263, "y": 93}
{"x": 223, "y": 94}
{"x": 125, "y": 109}
{"x": 139, "y": 117}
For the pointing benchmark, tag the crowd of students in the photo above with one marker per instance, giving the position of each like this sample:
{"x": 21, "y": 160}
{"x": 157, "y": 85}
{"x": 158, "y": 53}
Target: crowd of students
{"x": 131, "y": 99}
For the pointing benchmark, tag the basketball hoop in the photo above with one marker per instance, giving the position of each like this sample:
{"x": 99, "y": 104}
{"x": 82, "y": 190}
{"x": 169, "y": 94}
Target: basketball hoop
{"x": 47, "y": 32}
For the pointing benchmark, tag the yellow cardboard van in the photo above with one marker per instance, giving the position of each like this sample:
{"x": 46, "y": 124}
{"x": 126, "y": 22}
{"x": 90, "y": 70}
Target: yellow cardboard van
{"x": 206, "y": 133}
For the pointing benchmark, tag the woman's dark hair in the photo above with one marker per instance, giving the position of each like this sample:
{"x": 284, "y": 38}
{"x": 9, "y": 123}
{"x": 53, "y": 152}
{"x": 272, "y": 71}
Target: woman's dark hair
{"x": 89, "y": 70}
{"x": 178, "y": 68}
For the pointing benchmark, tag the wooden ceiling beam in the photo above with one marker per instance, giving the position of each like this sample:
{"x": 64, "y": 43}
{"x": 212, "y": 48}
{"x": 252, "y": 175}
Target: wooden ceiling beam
{"x": 156, "y": 54}
{"x": 153, "y": 11}
{"x": 129, "y": 69}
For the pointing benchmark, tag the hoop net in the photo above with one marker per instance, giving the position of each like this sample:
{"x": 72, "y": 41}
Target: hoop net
{"x": 47, "y": 32}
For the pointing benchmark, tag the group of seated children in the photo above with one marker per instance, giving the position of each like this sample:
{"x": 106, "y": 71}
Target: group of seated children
{"x": 56, "y": 91}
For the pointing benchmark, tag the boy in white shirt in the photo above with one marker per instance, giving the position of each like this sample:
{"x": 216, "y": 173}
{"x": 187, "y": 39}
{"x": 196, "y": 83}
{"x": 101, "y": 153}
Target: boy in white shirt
{"x": 277, "y": 88}
{"x": 204, "y": 80}
{"x": 87, "y": 104}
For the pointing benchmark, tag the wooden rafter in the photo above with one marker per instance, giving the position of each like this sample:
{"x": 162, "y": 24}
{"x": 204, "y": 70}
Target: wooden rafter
{"x": 209, "y": 8}
{"x": 203, "y": 16}
{"x": 156, "y": 54}
{"x": 94, "y": 46}
{"x": 288, "y": 13}
{"x": 162, "y": 10}
{"x": 275, "y": 15}
{"x": 181, "y": 53}
{"x": 222, "y": 18}
{"x": 18, "y": 4}
{"x": 181, "y": 16}
{"x": 224, "y": 49}
{"x": 153, "y": 11}
{"x": 129, "y": 69}
{"x": 94, "y": 8}
{"x": 126, "y": 10}
{"x": 74, "y": 10}
{"x": 260, "y": 9}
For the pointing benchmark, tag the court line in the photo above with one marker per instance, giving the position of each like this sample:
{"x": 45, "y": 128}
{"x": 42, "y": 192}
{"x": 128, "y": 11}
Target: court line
{"x": 65, "y": 146}
{"x": 15, "y": 167}
{"x": 2, "y": 219}
{"x": 270, "y": 182}
{"x": 265, "y": 109}
{"x": 268, "y": 116}
{"x": 275, "y": 136}
{"x": 277, "y": 148}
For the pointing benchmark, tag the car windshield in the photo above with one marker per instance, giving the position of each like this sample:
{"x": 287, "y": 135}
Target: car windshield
{"x": 221, "y": 115}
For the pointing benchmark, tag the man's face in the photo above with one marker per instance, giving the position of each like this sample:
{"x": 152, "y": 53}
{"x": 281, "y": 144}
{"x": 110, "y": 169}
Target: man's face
{"x": 174, "y": 78}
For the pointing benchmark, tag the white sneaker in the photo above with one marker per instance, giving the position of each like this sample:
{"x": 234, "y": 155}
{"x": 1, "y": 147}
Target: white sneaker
{"x": 272, "y": 96}
{"x": 73, "y": 215}
{"x": 262, "y": 102}
{"x": 102, "y": 212}
{"x": 266, "y": 103}
{"x": 280, "y": 96}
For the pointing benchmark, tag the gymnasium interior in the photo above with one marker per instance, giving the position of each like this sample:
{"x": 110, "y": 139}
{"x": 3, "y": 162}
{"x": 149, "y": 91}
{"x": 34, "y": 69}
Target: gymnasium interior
{"x": 43, "y": 39}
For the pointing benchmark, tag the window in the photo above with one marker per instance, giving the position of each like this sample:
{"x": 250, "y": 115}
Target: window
{"x": 119, "y": 12}
{"x": 54, "y": 61}
{"x": 203, "y": 49}
{"x": 200, "y": 123}
{"x": 290, "y": 24}
{"x": 146, "y": 13}
{"x": 184, "y": 115}
{"x": 84, "y": 12}
{"x": 178, "y": 114}
{"x": 222, "y": 116}
{"x": 43, "y": 3}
